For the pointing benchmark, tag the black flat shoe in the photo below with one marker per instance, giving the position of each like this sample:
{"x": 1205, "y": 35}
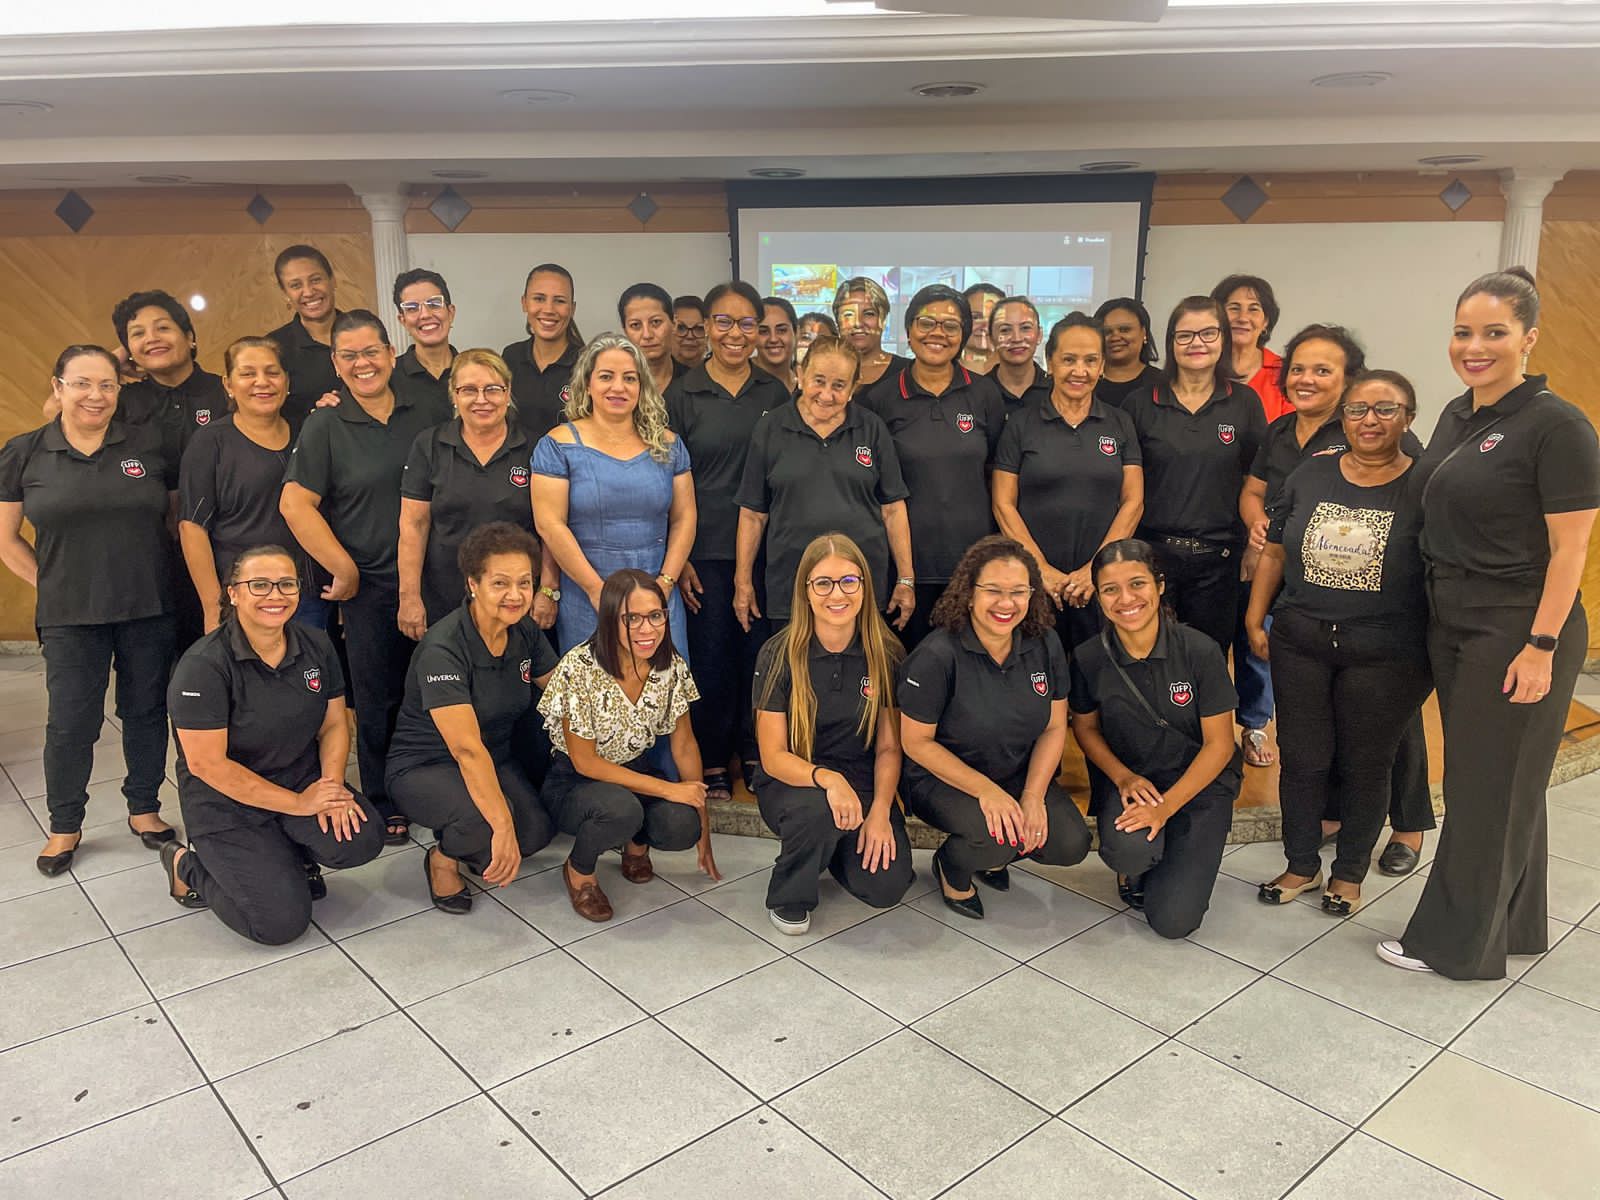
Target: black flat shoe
{"x": 153, "y": 839}
{"x": 52, "y": 865}
{"x": 1398, "y": 859}
{"x": 315, "y": 883}
{"x": 999, "y": 879}
{"x": 458, "y": 904}
{"x": 396, "y": 831}
{"x": 1131, "y": 891}
{"x": 169, "y": 859}
{"x": 971, "y": 906}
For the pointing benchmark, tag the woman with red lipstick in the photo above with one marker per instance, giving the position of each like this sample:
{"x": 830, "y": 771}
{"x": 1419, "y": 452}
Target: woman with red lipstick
{"x": 305, "y": 277}
{"x": 422, "y": 300}
{"x": 1507, "y": 513}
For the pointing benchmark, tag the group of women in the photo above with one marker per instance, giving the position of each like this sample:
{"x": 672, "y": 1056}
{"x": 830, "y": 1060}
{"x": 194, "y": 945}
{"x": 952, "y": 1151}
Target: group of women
{"x": 874, "y": 584}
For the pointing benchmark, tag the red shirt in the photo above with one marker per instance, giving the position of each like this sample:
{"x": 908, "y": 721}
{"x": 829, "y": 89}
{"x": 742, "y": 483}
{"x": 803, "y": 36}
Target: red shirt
{"x": 1265, "y": 383}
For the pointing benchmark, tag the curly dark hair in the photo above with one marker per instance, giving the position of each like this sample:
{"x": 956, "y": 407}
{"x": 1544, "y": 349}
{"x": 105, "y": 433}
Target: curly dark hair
{"x": 497, "y": 537}
{"x": 953, "y": 610}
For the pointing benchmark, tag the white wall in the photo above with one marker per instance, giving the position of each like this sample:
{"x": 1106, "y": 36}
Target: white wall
{"x": 1393, "y": 284}
{"x": 486, "y": 272}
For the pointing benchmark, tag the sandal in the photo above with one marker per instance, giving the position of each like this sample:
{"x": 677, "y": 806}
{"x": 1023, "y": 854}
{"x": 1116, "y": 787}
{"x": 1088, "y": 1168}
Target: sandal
{"x": 396, "y": 831}
{"x": 718, "y": 788}
{"x": 169, "y": 864}
{"x": 1257, "y": 753}
{"x": 1340, "y": 906}
{"x": 1272, "y": 892}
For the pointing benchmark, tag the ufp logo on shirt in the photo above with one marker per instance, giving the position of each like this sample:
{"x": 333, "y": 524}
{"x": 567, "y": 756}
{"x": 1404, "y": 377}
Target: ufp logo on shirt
{"x": 202, "y": 416}
{"x": 866, "y": 687}
{"x": 1182, "y": 693}
{"x": 566, "y": 392}
{"x": 133, "y": 468}
{"x": 1490, "y": 442}
{"x": 313, "y": 678}
{"x": 864, "y": 455}
{"x": 964, "y": 422}
{"x": 1226, "y": 434}
{"x": 1040, "y": 681}
{"x": 1108, "y": 446}
{"x": 519, "y": 476}
{"x": 526, "y": 668}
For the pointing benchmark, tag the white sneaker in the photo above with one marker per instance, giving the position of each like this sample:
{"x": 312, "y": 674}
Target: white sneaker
{"x": 791, "y": 921}
{"x": 1393, "y": 953}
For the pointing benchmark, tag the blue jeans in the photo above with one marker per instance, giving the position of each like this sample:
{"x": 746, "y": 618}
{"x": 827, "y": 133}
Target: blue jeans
{"x": 1252, "y": 677}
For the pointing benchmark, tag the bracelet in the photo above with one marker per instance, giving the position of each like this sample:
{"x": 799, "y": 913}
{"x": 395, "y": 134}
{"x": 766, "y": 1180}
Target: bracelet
{"x": 905, "y": 580}
{"x": 671, "y": 579}
{"x": 550, "y": 593}
{"x": 814, "y": 782}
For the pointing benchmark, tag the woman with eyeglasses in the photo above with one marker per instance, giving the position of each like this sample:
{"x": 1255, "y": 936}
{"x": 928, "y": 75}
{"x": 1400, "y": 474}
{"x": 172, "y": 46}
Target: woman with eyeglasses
{"x": 830, "y": 740}
{"x": 1342, "y": 576}
{"x": 688, "y": 332}
{"x": 460, "y": 475}
{"x": 305, "y": 277}
{"x": 978, "y": 354}
{"x": 775, "y": 340}
{"x": 861, "y": 311}
{"x": 341, "y": 499}
{"x": 611, "y": 699}
{"x": 983, "y": 722}
{"x": 946, "y": 424}
{"x": 259, "y": 711}
{"x": 1130, "y": 352}
{"x": 542, "y": 363}
{"x": 811, "y": 326}
{"x": 714, "y": 409}
{"x": 460, "y": 760}
{"x": 611, "y": 487}
{"x": 98, "y": 495}
{"x": 1198, "y": 432}
{"x": 1015, "y": 332}
{"x": 422, "y": 298}
{"x": 645, "y": 310}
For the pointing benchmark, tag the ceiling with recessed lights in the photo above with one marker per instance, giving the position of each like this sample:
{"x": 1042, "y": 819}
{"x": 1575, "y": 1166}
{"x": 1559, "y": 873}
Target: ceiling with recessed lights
{"x": 828, "y": 90}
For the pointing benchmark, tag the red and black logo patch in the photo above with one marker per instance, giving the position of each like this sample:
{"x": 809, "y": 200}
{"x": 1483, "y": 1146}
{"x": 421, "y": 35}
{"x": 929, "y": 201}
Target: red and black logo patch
{"x": 1490, "y": 442}
{"x": 133, "y": 468}
{"x": 866, "y": 687}
{"x": 1040, "y": 681}
{"x": 1108, "y": 446}
{"x": 964, "y": 422}
{"x": 519, "y": 476}
{"x": 202, "y": 416}
{"x": 1182, "y": 694}
{"x": 566, "y": 392}
{"x": 1226, "y": 434}
{"x": 864, "y": 455}
{"x": 313, "y": 678}
{"x": 526, "y": 668}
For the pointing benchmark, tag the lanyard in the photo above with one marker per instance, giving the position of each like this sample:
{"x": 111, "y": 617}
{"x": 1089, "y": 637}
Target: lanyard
{"x": 1161, "y": 722}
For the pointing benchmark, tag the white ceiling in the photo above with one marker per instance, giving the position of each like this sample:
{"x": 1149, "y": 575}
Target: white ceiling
{"x": 1218, "y": 87}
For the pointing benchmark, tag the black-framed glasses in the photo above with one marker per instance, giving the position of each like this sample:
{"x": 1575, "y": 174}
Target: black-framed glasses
{"x": 723, "y": 323}
{"x": 372, "y": 354}
{"x": 656, "y": 618}
{"x": 823, "y": 585}
{"x": 1208, "y": 335}
{"x": 690, "y": 330}
{"x": 489, "y": 391}
{"x": 265, "y": 587}
{"x": 1387, "y": 410}
{"x": 950, "y": 327}
{"x": 412, "y": 307}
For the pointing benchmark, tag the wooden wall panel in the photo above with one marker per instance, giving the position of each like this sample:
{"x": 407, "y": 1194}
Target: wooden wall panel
{"x": 1308, "y": 197}
{"x": 577, "y": 208}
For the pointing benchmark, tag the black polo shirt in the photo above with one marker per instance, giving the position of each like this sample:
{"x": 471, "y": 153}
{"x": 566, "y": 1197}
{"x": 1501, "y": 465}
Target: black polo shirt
{"x": 1195, "y": 463}
{"x": 1281, "y": 451}
{"x": 1184, "y": 680}
{"x": 452, "y": 665}
{"x": 181, "y": 411}
{"x": 355, "y": 463}
{"x": 946, "y": 445}
{"x": 1069, "y": 481}
{"x": 309, "y": 364}
{"x": 272, "y": 715}
{"x": 808, "y": 485}
{"x": 1530, "y": 455}
{"x": 99, "y": 522}
{"x": 539, "y": 395}
{"x": 462, "y": 494}
{"x": 896, "y": 364}
{"x": 716, "y": 429}
{"x": 414, "y": 381}
{"x": 1135, "y": 390}
{"x": 841, "y": 685}
{"x": 230, "y": 486}
{"x": 989, "y": 715}
{"x": 1037, "y": 392}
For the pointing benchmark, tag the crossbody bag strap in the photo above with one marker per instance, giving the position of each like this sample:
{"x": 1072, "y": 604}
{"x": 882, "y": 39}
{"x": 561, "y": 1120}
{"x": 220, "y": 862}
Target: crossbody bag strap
{"x": 1465, "y": 442}
{"x": 1138, "y": 696}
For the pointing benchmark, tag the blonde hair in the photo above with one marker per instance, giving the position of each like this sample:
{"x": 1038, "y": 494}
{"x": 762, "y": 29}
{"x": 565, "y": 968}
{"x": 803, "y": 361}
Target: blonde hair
{"x": 879, "y": 645}
{"x": 649, "y": 416}
{"x": 825, "y": 343}
{"x": 479, "y": 358}
{"x": 876, "y": 296}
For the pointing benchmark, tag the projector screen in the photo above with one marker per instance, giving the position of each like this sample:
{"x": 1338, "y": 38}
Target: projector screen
{"x": 1062, "y": 256}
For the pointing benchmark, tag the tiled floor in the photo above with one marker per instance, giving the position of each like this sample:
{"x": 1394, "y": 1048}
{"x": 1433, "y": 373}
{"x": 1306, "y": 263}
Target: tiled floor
{"x": 1057, "y": 1049}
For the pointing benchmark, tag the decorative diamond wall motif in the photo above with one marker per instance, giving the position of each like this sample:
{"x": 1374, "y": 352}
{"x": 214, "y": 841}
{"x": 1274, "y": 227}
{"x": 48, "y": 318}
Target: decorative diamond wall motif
{"x": 643, "y": 207}
{"x": 451, "y": 207}
{"x": 1456, "y": 195}
{"x": 74, "y": 211}
{"x": 1245, "y": 198}
{"x": 259, "y": 208}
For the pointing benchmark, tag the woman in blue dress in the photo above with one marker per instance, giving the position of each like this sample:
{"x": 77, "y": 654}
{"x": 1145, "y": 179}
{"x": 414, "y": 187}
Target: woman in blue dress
{"x": 612, "y": 488}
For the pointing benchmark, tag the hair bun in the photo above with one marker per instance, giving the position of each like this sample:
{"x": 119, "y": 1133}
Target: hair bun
{"x": 1522, "y": 273}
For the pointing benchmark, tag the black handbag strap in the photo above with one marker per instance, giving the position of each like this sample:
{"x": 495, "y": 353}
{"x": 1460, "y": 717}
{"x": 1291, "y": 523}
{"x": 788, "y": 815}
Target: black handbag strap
{"x": 1466, "y": 441}
{"x": 1138, "y": 696}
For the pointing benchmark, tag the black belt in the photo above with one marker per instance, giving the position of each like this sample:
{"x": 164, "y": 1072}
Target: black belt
{"x": 1191, "y": 545}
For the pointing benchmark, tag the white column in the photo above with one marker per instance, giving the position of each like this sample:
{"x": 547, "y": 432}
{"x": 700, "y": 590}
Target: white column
{"x": 1525, "y": 193}
{"x": 391, "y": 254}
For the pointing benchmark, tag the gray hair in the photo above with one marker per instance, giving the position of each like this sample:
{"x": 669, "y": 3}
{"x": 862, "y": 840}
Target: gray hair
{"x": 649, "y": 418}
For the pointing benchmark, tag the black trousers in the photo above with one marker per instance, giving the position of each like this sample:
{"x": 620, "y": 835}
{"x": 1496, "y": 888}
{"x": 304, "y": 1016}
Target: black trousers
{"x": 1202, "y": 587}
{"x": 812, "y": 843}
{"x": 1077, "y": 625}
{"x": 1485, "y": 897}
{"x": 378, "y": 654}
{"x": 436, "y": 797}
{"x": 1345, "y": 697}
{"x": 78, "y": 660}
{"x": 918, "y": 626}
{"x": 724, "y": 658}
{"x": 1410, "y": 794}
{"x": 605, "y": 816}
{"x": 970, "y": 848}
{"x": 1179, "y": 867}
{"x": 254, "y": 876}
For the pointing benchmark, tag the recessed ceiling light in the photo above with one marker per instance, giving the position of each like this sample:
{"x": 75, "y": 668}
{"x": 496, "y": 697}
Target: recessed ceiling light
{"x": 169, "y": 179}
{"x": 460, "y": 174}
{"x": 23, "y": 108}
{"x": 1108, "y": 165}
{"x": 537, "y": 97}
{"x": 197, "y": 302}
{"x": 1352, "y": 79}
{"x": 1450, "y": 160}
{"x": 776, "y": 172}
{"x": 947, "y": 91}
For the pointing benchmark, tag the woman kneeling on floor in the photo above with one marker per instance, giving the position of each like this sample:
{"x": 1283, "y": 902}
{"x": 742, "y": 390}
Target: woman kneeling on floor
{"x": 830, "y": 749}
{"x": 258, "y": 706}
{"x": 1152, "y": 709}
{"x": 983, "y": 717}
{"x": 609, "y": 700}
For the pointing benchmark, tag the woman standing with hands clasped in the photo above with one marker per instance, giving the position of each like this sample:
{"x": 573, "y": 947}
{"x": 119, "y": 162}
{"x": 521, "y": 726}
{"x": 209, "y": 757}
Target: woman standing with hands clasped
{"x": 1507, "y": 512}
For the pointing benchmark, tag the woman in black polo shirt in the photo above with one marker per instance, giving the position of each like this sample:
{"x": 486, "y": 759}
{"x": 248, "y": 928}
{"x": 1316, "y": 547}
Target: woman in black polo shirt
{"x": 541, "y": 364}
{"x": 341, "y": 499}
{"x": 305, "y": 277}
{"x": 810, "y": 327}
{"x": 822, "y": 463}
{"x": 258, "y": 708}
{"x": 1152, "y": 709}
{"x": 1067, "y": 477}
{"x": 97, "y": 493}
{"x": 645, "y": 310}
{"x": 176, "y": 392}
{"x": 1507, "y": 514}
{"x": 453, "y": 763}
{"x": 861, "y": 311}
{"x": 1015, "y": 331}
{"x": 714, "y": 409}
{"x": 1199, "y": 432}
{"x": 1348, "y": 647}
{"x": 1130, "y": 352}
{"x": 830, "y": 740}
{"x": 946, "y": 424}
{"x": 775, "y": 341}
{"x": 459, "y": 475}
{"x": 983, "y": 720}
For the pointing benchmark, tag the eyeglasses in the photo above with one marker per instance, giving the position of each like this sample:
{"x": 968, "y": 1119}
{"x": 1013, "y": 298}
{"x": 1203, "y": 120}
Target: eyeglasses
{"x": 265, "y": 587}
{"x": 109, "y": 388}
{"x": 1207, "y": 335}
{"x": 489, "y": 391}
{"x": 949, "y": 326}
{"x": 722, "y": 323}
{"x": 822, "y": 585}
{"x": 860, "y": 316}
{"x": 371, "y": 354}
{"x": 698, "y": 331}
{"x": 656, "y": 618}
{"x": 1015, "y": 595}
{"x": 412, "y": 307}
{"x": 1387, "y": 410}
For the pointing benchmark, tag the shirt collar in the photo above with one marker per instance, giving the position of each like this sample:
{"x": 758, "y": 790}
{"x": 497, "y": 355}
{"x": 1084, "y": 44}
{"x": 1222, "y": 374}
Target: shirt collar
{"x": 910, "y": 387}
{"x": 699, "y": 380}
{"x": 411, "y": 365}
{"x": 55, "y": 438}
{"x": 349, "y": 408}
{"x": 793, "y": 420}
{"x": 298, "y": 336}
{"x": 970, "y": 642}
{"x": 817, "y": 650}
{"x": 1512, "y": 402}
{"x": 477, "y": 649}
{"x": 239, "y": 646}
{"x": 449, "y": 434}
{"x": 1159, "y": 650}
{"x": 1165, "y": 396}
{"x": 568, "y": 359}
{"x": 1097, "y": 410}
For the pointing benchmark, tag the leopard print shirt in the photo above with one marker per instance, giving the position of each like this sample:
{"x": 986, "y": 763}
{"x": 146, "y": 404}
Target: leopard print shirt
{"x": 592, "y": 703}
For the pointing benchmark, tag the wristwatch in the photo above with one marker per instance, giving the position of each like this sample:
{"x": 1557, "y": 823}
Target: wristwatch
{"x": 905, "y": 581}
{"x": 552, "y": 593}
{"x": 1542, "y": 641}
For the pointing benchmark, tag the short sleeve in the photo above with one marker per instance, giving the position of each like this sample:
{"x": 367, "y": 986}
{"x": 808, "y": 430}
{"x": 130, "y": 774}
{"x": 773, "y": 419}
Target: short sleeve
{"x": 320, "y": 648}
{"x": 995, "y": 421}
{"x": 1211, "y": 682}
{"x": 444, "y": 677}
{"x": 416, "y": 481}
{"x": 1132, "y": 453}
{"x": 754, "y": 492}
{"x": 891, "y": 480}
{"x": 681, "y": 692}
{"x": 199, "y": 696}
{"x": 1080, "y": 696}
{"x": 770, "y": 666}
{"x": 1278, "y": 512}
{"x": 545, "y": 658}
{"x": 197, "y": 481}
{"x": 1060, "y": 677}
{"x": 927, "y": 678}
{"x": 1008, "y": 457}
{"x": 679, "y": 461}
{"x": 1254, "y": 430}
{"x": 569, "y": 697}
{"x": 311, "y": 463}
{"x": 13, "y": 458}
{"x": 1258, "y": 465}
{"x": 549, "y": 458}
{"x": 1567, "y": 469}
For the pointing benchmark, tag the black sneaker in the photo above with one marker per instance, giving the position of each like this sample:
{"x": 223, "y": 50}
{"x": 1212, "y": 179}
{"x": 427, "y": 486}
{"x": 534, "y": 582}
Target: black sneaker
{"x": 317, "y": 885}
{"x": 790, "y": 919}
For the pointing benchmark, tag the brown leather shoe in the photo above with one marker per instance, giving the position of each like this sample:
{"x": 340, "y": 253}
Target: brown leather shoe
{"x": 588, "y": 901}
{"x": 636, "y": 868}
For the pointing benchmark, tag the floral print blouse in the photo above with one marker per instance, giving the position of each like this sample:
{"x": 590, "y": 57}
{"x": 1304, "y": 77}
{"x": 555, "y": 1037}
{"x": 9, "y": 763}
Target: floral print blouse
{"x": 591, "y": 701}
